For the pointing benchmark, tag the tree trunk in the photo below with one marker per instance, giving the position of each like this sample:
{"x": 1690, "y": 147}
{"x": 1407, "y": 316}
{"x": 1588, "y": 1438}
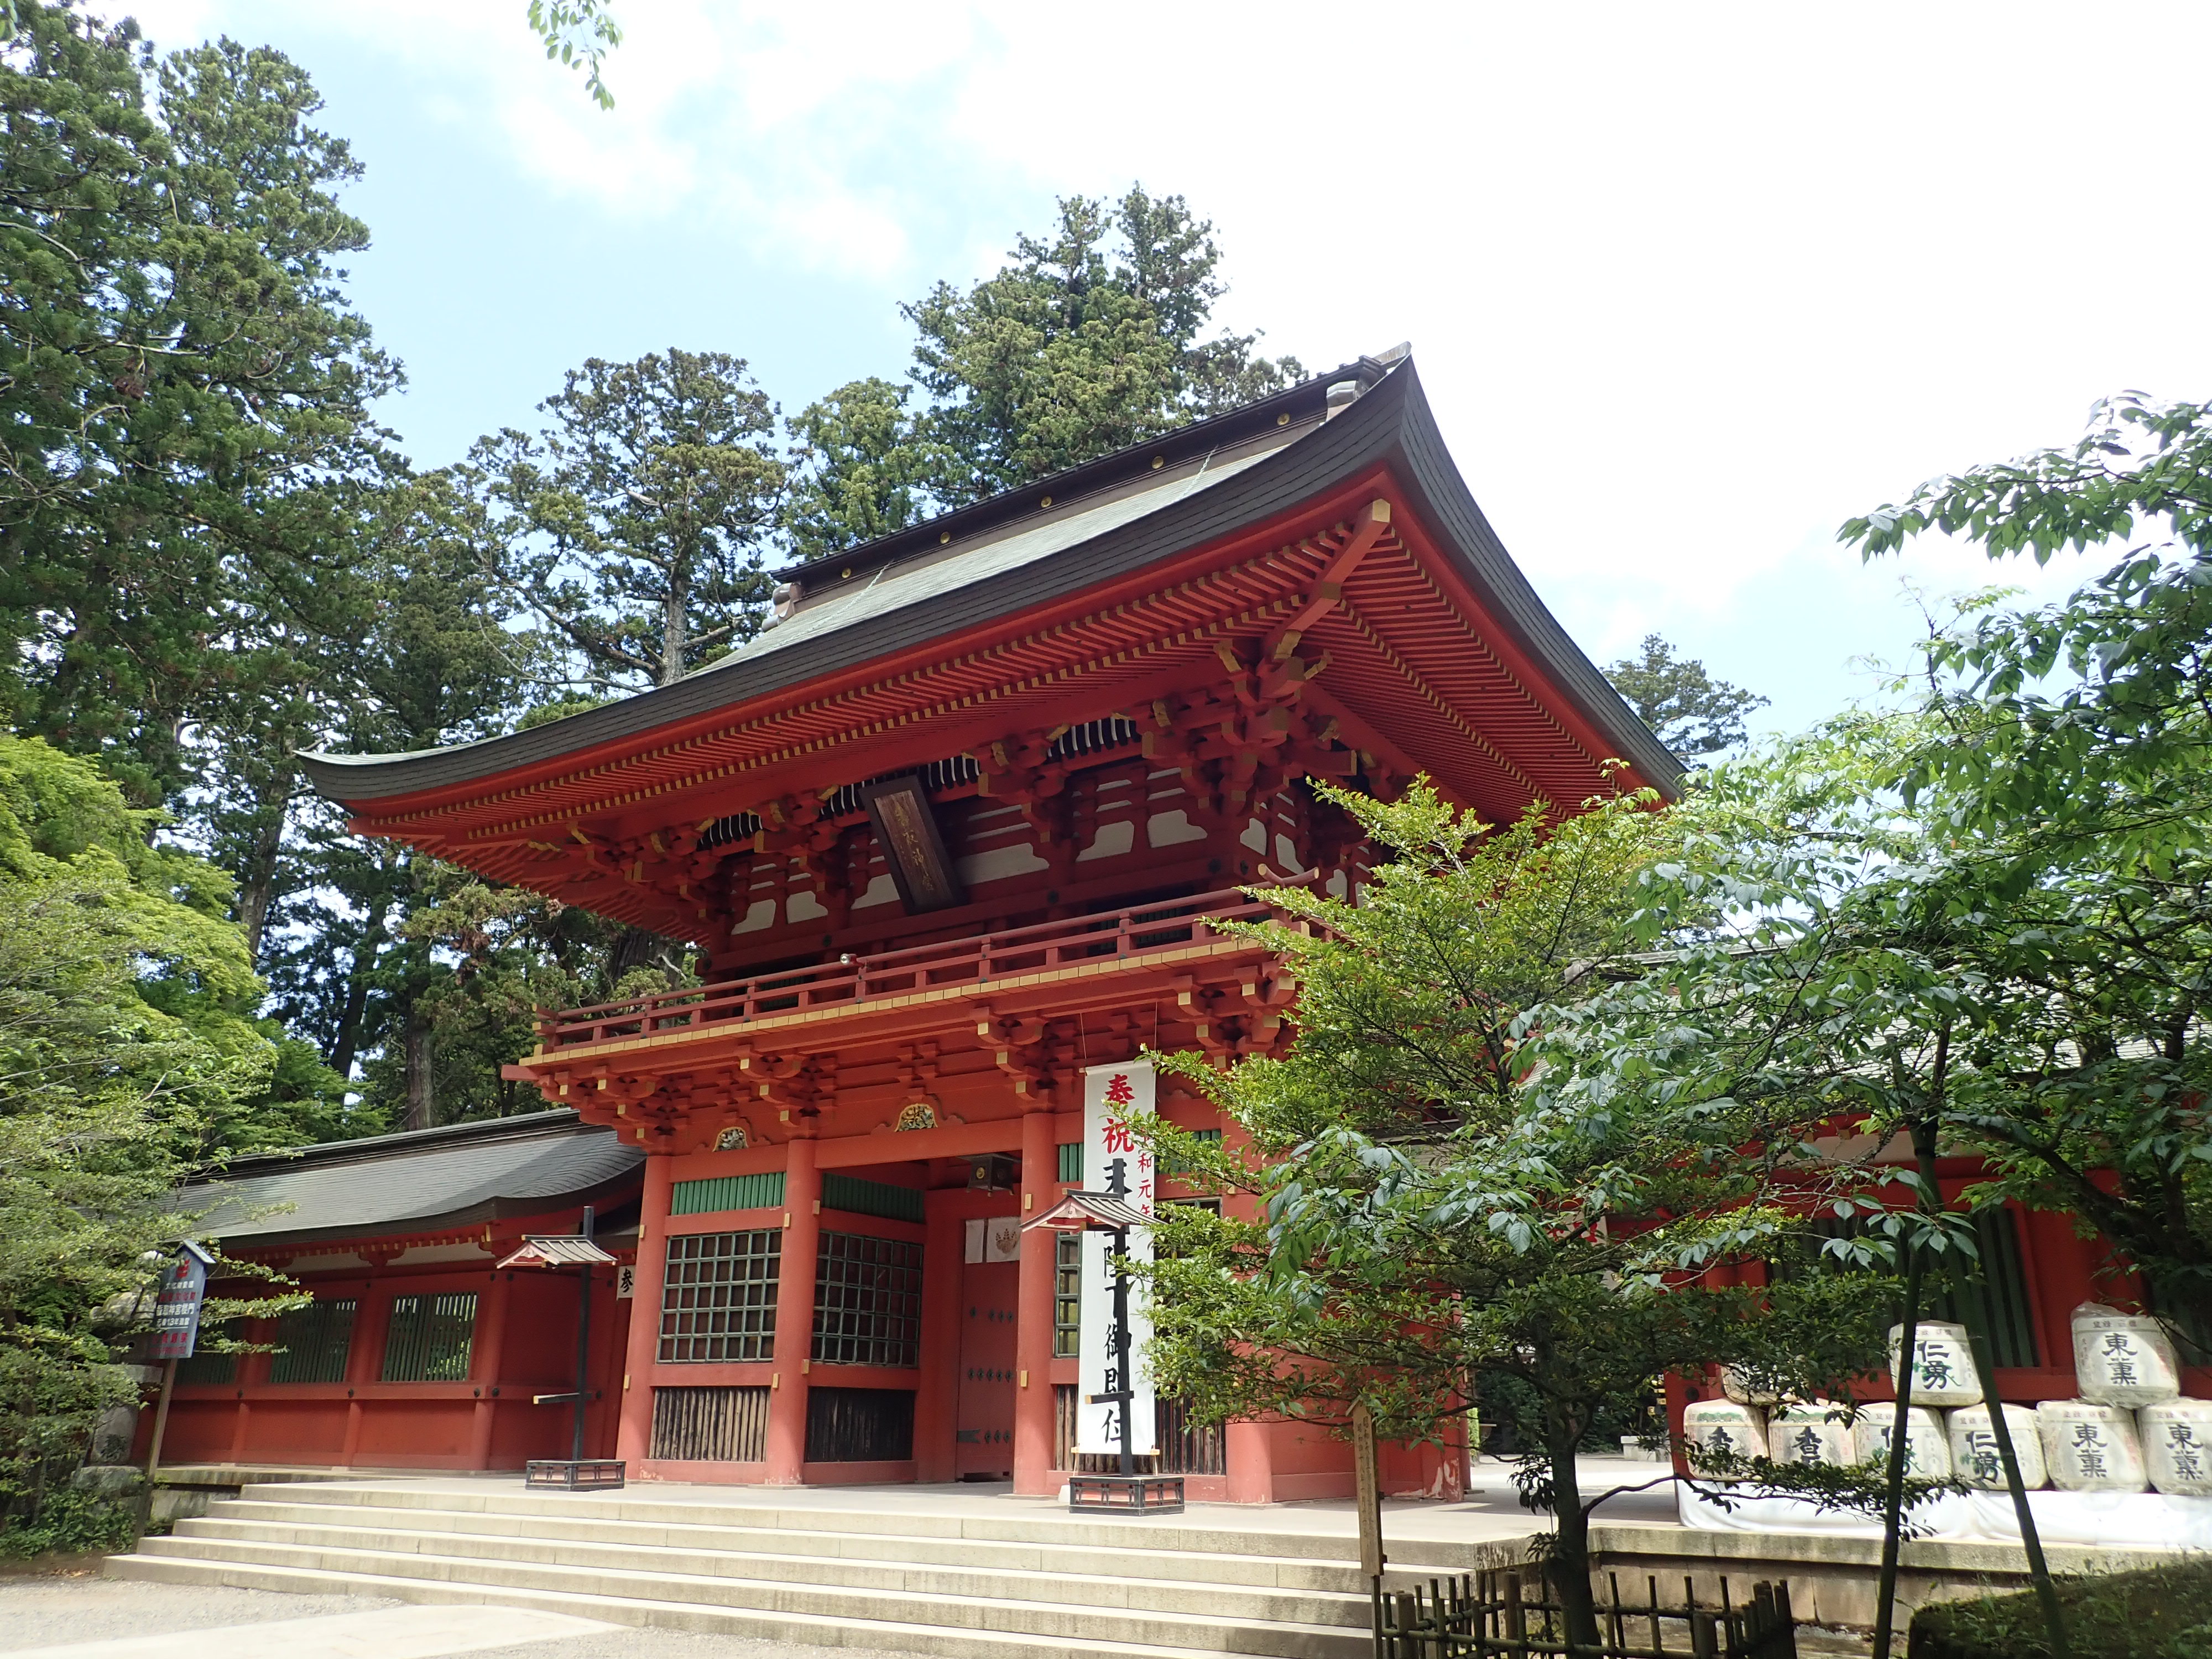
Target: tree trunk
{"x": 346, "y": 1042}
{"x": 1570, "y": 1562}
{"x": 635, "y": 947}
{"x": 422, "y": 1085}
{"x": 674, "y": 642}
{"x": 257, "y": 887}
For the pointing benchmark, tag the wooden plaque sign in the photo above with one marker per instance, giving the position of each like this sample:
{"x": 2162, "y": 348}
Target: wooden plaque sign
{"x": 906, "y": 829}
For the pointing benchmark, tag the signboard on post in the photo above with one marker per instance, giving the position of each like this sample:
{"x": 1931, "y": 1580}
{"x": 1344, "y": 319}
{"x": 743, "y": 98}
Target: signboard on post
{"x": 1113, "y": 1162}
{"x": 177, "y": 1303}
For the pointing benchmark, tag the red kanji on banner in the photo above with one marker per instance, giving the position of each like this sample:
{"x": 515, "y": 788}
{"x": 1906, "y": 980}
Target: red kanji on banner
{"x": 1118, "y": 1091}
{"x": 1118, "y": 1139}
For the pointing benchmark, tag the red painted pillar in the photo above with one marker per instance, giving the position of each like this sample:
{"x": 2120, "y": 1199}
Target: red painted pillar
{"x": 794, "y": 1316}
{"x": 372, "y": 1320}
{"x": 1251, "y": 1456}
{"x": 937, "y": 1401}
{"x": 486, "y": 1355}
{"x": 1033, "y": 1424}
{"x": 633, "y": 1432}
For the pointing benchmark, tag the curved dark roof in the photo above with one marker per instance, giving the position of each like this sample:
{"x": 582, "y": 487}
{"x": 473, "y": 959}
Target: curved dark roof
{"x": 1109, "y": 520}
{"x": 423, "y": 1180}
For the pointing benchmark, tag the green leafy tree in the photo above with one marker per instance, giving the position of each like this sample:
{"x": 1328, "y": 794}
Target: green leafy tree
{"x": 2059, "y": 772}
{"x": 579, "y": 32}
{"x": 129, "y": 1057}
{"x": 1448, "y": 1198}
{"x": 1090, "y": 340}
{"x": 635, "y": 524}
{"x": 1687, "y": 709}
{"x": 184, "y": 393}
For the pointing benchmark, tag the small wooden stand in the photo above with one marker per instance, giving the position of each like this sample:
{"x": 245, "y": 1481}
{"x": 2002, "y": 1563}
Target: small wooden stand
{"x": 575, "y": 1475}
{"x": 1126, "y": 1494}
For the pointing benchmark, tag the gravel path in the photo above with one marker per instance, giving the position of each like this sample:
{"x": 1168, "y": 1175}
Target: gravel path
{"x": 51, "y": 1609}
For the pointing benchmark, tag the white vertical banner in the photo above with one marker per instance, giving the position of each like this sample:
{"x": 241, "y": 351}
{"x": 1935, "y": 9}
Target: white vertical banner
{"x": 1112, "y": 1096}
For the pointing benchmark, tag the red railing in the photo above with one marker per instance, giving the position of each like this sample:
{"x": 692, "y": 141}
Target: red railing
{"x": 1136, "y": 932}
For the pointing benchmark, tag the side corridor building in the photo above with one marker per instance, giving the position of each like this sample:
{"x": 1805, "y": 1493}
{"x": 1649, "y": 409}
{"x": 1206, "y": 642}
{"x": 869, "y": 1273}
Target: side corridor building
{"x": 950, "y": 831}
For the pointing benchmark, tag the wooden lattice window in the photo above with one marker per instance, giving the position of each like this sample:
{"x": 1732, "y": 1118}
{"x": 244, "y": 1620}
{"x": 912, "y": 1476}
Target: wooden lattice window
{"x": 718, "y": 1425}
{"x": 429, "y": 1337}
{"x": 313, "y": 1342}
{"x": 1066, "y": 1295}
{"x": 867, "y": 1302}
{"x": 204, "y": 1367}
{"x": 718, "y": 1300}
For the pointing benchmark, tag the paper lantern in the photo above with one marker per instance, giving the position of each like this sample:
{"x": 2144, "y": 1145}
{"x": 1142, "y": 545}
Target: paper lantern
{"x": 1942, "y": 1365}
{"x": 1927, "y": 1447}
{"x": 1974, "y": 1457}
{"x": 2090, "y": 1447}
{"x": 2124, "y": 1359}
{"x": 2177, "y": 1446}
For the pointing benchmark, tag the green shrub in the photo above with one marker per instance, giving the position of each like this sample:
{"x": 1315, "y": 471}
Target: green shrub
{"x": 2161, "y": 1613}
{"x": 71, "y": 1522}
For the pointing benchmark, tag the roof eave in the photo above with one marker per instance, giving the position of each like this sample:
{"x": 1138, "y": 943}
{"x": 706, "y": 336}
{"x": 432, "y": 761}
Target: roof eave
{"x": 1391, "y": 424}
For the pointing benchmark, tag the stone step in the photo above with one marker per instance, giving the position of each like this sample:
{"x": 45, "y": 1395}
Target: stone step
{"x": 1026, "y": 1555}
{"x": 1074, "y": 1582}
{"x": 803, "y": 1602}
{"x": 1023, "y": 1525}
{"x": 934, "y": 1640}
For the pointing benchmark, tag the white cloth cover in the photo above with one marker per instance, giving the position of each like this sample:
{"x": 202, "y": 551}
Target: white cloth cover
{"x": 1814, "y": 1433}
{"x": 1943, "y": 1365}
{"x": 2177, "y": 1446}
{"x": 1974, "y": 1456}
{"x": 2124, "y": 1359}
{"x": 1927, "y": 1447}
{"x": 2110, "y": 1520}
{"x": 2089, "y": 1447}
{"x": 1723, "y": 1426}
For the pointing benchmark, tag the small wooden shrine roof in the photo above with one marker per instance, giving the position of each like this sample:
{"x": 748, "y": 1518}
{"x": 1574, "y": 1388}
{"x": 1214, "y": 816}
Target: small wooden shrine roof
{"x": 420, "y": 1181}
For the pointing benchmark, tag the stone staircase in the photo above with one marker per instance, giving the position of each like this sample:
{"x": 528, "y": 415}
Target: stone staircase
{"x": 1025, "y": 1583}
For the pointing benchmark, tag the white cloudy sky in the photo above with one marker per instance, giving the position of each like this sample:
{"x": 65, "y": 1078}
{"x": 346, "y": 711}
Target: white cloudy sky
{"x": 1686, "y": 284}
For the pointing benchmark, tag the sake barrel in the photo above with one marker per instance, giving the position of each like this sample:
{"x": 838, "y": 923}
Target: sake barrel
{"x": 1927, "y": 1447}
{"x": 2089, "y": 1446}
{"x": 1736, "y": 1388}
{"x": 1723, "y": 1426}
{"x": 1813, "y": 1432}
{"x": 2177, "y": 1446}
{"x": 2124, "y": 1359}
{"x": 1974, "y": 1456}
{"x": 1942, "y": 1364}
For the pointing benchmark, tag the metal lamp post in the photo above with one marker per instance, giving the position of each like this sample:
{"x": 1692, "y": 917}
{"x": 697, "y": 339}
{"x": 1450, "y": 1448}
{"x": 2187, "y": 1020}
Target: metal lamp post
{"x": 576, "y": 1472}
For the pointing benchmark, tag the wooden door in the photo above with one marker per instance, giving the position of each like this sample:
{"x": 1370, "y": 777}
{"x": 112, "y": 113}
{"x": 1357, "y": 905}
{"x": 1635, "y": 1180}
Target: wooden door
{"x": 984, "y": 1442}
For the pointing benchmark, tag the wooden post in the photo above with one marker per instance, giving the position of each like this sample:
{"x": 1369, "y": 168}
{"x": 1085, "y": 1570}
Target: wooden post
{"x": 794, "y": 1315}
{"x": 1892, "y": 1520}
{"x": 1035, "y": 1438}
{"x": 1368, "y": 1487}
{"x": 634, "y": 1427}
{"x": 161, "y": 1421}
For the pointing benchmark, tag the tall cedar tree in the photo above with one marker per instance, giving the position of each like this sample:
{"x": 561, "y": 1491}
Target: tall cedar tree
{"x": 1687, "y": 709}
{"x": 635, "y": 524}
{"x": 184, "y": 392}
{"x": 440, "y": 658}
{"x": 1088, "y": 341}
